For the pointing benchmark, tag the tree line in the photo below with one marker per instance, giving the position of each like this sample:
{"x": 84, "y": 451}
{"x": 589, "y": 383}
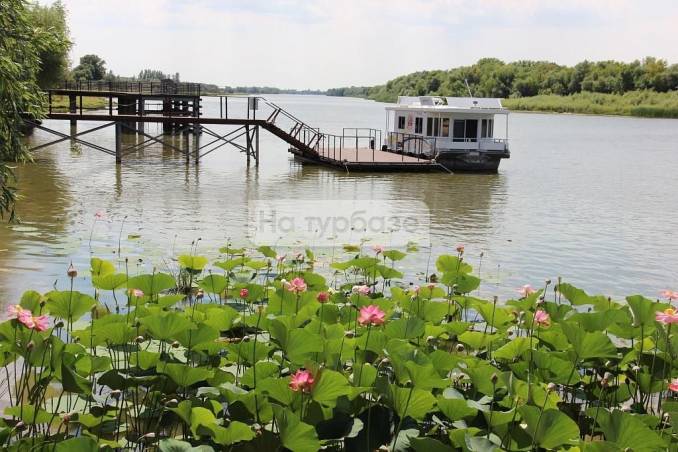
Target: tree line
{"x": 490, "y": 77}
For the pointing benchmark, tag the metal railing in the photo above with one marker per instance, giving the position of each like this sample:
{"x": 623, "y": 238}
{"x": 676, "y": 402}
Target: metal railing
{"x": 132, "y": 87}
{"x": 411, "y": 144}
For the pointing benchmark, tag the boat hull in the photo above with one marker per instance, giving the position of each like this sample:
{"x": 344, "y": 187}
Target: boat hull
{"x": 478, "y": 162}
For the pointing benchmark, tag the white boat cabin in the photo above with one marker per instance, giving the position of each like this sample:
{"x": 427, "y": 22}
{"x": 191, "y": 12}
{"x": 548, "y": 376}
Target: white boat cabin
{"x": 432, "y": 125}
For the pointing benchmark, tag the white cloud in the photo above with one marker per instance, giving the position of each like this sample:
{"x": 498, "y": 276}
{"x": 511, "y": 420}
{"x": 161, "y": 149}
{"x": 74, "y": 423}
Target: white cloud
{"x": 321, "y": 44}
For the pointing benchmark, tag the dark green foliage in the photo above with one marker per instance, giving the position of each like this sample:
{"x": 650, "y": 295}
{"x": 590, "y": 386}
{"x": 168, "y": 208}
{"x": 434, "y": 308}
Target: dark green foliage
{"x": 91, "y": 67}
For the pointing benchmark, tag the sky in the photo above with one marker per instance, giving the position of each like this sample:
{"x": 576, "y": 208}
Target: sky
{"x": 330, "y": 43}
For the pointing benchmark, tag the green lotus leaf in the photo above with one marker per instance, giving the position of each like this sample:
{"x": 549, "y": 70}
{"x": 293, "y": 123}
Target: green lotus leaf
{"x": 69, "y": 305}
{"x": 169, "y": 300}
{"x": 110, "y": 281}
{"x": 627, "y": 430}
{"x": 184, "y": 375}
{"x": 551, "y": 428}
{"x": 249, "y": 352}
{"x": 31, "y": 300}
{"x": 644, "y": 310}
{"x": 80, "y": 444}
{"x": 424, "y": 376}
{"x": 264, "y": 369}
{"x": 302, "y": 344}
{"x": 174, "y": 445}
{"x": 201, "y": 421}
{"x": 578, "y": 297}
{"x": 231, "y": 264}
{"x": 464, "y": 282}
{"x": 220, "y": 318}
{"x": 70, "y": 379}
{"x": 168, "y": 326}
{"x": 364, "y": 375}
{"x": 152, "y": 284}
{"x": 452, "y": 264}
{"x": 412, "y": 402}
{"x": 234, "y": 433}
{"x": 429, "y": 445}
{"x": 294, "y": 434}
{"x": 213, "y": 283}
{"x": 29, "y": 414}
{"x": 100, "y": 267}
{"x": 267, "y": 251}
{"x": 201, "y": 334}
{"x": 405, "y": 328}
{"x": 277, "y": 389}
{"x": 495, "y": 316}
{"x": 388, "y": 272}
{"x": 377, "y": 341}
{"x": 456, "y": 409}
{"x": 195, "y": 263}
{"x": 394, "y": 255}
{"x": 144, "y": 359}
{"x": 513, "y": 349}
{"x": 328, "y": 387}
{"x": 478, "y": 340}
{"x": 256, "y": 264}
{"x": 589, "y": 345}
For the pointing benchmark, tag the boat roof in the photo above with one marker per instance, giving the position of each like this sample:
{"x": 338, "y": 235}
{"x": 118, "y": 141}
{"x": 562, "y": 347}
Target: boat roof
{"x": 490, "y": 105}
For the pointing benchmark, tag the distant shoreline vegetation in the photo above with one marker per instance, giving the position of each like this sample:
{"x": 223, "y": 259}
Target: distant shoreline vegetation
{"x": 647, "y": 88}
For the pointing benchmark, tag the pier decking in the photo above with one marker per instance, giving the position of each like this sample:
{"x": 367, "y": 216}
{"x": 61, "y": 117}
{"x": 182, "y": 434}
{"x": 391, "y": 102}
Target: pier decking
{"x": 177, "y": 106}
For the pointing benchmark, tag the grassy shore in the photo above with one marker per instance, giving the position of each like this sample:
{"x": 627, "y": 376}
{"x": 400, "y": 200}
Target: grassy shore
{"x": 635, "y": 103}
{"x": 60, "y": 103}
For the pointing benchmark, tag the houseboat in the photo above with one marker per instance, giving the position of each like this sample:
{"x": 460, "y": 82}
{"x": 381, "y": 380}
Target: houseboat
{"x": 459, "y": 133}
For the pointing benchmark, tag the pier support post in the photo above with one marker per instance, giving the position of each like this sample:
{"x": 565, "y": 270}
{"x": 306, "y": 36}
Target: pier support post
{"x": 184, "y": 136}
{"x": 118, "y": 143}
{"x": 196, "y": 143}
{"x": 248, "y": 139}
{"x": 72, "y": 107}
{"x": 256, "y": 145}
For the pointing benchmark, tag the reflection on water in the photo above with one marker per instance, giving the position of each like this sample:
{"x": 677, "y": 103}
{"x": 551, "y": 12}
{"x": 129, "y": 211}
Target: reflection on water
{"x": 589, "y": 198}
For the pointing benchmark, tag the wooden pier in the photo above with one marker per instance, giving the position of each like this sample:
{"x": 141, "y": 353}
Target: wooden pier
{"x": 177, "y": 106}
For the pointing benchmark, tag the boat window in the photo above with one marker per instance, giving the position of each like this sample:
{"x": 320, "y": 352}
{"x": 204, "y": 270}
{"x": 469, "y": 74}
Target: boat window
{"x": 436, "y": 127}
{"x": 458, "y": 129}
{"x": 471, "y": 129}
{"x": 401, "y": 122}
{"x": 418, "y": 125}
{"x": 429, "y": 127}
{"x": 446, "y": 128}
{"x": 483, "y": 129}
{"x": 490, "y": 128}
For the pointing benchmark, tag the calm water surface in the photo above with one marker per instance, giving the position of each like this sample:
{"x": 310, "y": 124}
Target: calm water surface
{"x": 592, "y": 199}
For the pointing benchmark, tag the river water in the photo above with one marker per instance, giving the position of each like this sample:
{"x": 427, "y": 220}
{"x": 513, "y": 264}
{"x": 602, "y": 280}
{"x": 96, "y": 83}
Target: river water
{"x": 592, "y": 199}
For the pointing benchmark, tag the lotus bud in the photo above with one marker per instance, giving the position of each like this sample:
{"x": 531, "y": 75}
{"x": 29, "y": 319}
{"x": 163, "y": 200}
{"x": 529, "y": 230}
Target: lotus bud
{"x": 30, "y": 346}
{"x": 384, "y": 361}
{"x": 172, "y": 403}
{"x": 71, "y": 272}
{"x": 59, "y": 324}
{"x": 349, "y": 334}
{"x": 482, "y": 253}
{"x": 494, "y": 378}
{"x": 200, "y": 294}
{"x": 608, "y": 376}
{"x": 635, "y": 368}
{"x": 116, "y": 393}
{"x": 551, "y": 387}
{"x": 150, "y": 436}
{"x": 245, "y": 338}
{"x": 547, "y": 282}
{"x": 604, "y": 383}
{"x": 20, "y": 426}
{"x": 509, "y": 333}
{"x": 43, "y": 303}
{"x": 430, "y": 339}
{"x": 176, "y": 344}
{"x": 76, "y": 339}
{"x": 460, "y": 348}
{"x": 609, "y": 363}
{"x": 139, "y": 339}
{"x": 627, "y": 381}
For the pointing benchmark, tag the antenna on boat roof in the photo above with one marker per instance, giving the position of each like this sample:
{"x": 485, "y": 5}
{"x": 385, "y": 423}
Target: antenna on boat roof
{"x": 470, "y": 94}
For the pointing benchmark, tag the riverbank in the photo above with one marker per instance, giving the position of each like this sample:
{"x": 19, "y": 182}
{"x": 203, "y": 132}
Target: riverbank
{"x": 645, "y": 104}
{"x": 60, "y": 103}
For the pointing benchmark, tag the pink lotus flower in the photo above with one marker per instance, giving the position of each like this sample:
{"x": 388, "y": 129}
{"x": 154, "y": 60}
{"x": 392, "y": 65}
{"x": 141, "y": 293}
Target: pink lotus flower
{"x": 302, "y": 381}
{"x": 297, "y": 285}
{"x": 136, "y": 293}
{"x": 100, "y": 215}
{"x": 669, "y": 295}
{"x": 362, "y": 290}
{"x": 378, "y": 249}
{"x": 323, "y": 297}
{"x": 542, "y": 318}
{"x": 667, "y": 317}
{"x": 15, "y": 311}
{"x": 673, "y": 386}
{"x": 280, "y": 258}
{"x": 26, "y": 317}
{"x": 371, "y": 315}
{"x": 244, "y": 293}
{"x": 460, "y": 249}
{"x": 526, "y": 290}
{"x": 415, "y": 290}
